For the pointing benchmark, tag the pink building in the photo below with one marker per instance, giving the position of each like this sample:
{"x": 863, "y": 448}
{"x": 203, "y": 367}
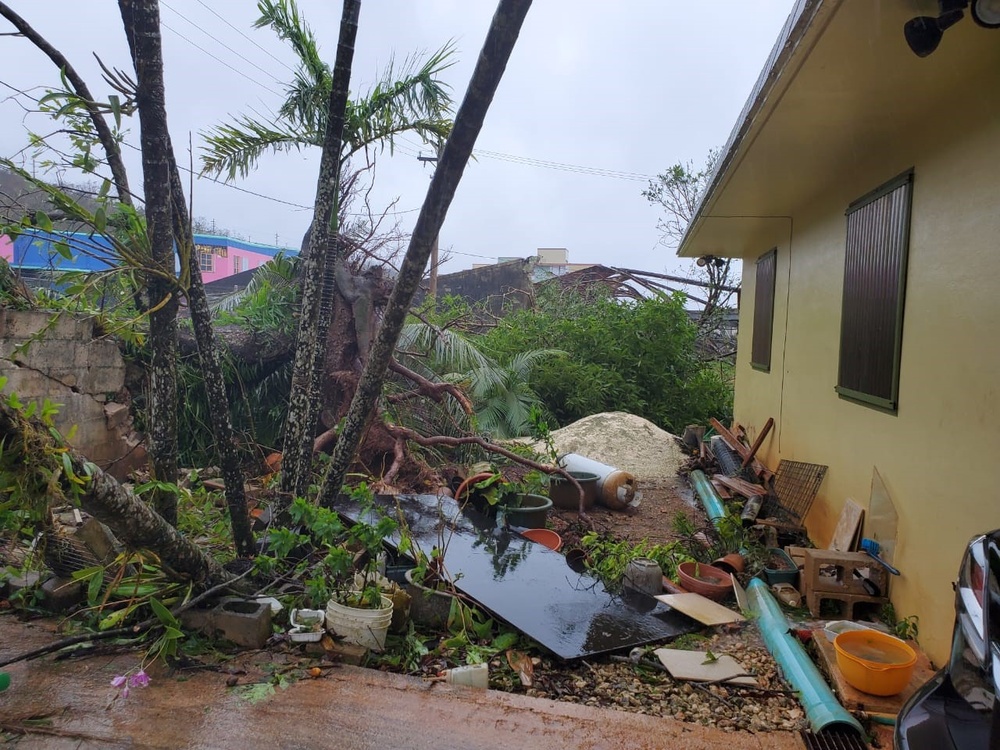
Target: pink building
{"x": 220, "y": 257}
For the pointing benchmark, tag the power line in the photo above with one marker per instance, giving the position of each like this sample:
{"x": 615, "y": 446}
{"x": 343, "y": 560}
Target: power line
{"x": 562, "y": 166}
{"x": 217, "y": 59}
{"x": 220, "y": 42}
{"x": 578, "y": 168}
{"x": 254, "y": 193}
{"x": 238, "y": 31}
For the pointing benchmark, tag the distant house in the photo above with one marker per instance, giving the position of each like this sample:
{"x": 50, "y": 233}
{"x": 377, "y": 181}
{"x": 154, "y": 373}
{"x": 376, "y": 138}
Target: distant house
{"x": 39, "y": 252}
{"x": 495, "y": 287}
{"x": 860, "y": 187}
{"x": 549, "y": 262}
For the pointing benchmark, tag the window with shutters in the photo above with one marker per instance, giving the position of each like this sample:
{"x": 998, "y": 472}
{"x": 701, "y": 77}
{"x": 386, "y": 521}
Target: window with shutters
{"x": 763, "y": 311}
{"x": 871, "y": 324}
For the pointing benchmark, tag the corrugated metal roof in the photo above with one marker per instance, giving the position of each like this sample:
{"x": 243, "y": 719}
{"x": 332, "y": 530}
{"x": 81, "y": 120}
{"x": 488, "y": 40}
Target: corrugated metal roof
{"x": 36, "y": 249}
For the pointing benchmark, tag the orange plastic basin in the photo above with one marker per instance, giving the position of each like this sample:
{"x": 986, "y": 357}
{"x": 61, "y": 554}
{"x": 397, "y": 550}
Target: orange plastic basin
{"x": 874, "y": 662}
{"x": 544, "y": 536}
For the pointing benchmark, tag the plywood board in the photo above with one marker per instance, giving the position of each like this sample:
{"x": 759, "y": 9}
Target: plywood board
{"x": 848, "y": 527}
{"x": 699, "y": 666}
{"x": 741, "y": 596}
{"x": 699, "y": 608}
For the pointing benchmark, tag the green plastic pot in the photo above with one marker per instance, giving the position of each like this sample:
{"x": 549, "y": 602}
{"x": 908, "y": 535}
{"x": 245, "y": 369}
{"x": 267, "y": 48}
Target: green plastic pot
{"x": 532, "y": 511}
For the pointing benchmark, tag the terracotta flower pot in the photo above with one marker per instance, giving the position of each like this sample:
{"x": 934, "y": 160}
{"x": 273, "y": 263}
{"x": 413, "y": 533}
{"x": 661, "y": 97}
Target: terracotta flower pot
{"x": 706, "y": 580}
{"x": 733, "y": 563}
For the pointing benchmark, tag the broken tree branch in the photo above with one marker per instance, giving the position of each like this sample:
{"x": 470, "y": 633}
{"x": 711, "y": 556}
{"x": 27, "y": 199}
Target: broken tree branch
{"x": 129, "y": 630}
{"x": 454, "y": 442}
{"x": 111, "y": 151}
{"x": 132, "y": 520}
{"x": 431, "y": 389}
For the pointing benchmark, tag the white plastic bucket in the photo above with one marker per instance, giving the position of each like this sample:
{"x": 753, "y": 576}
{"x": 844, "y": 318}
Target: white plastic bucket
{"x": 364, "y": 627}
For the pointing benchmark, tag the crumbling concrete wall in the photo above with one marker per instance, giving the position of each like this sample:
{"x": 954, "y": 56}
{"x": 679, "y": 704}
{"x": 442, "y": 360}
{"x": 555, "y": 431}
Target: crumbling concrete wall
{"x": 68, "y": 365}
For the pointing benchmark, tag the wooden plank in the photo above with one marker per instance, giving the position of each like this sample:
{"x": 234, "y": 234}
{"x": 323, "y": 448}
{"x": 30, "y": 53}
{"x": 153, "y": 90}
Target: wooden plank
{"x": 724, "y": 492}
{"x": 757, "y": 443}
{"x": 699, "y": 666}
{"x": 741, "y": 596}
{"x": 699, "y": 608}
{"x": 740, "y": 486}
{"x": 729, "y": 437}
{"x": 848, "y": 527}
{"x": 737, "y": 445}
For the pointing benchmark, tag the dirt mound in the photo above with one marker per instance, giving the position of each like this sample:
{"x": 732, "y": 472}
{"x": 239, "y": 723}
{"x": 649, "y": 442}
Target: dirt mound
{"x": 622, "y": 440}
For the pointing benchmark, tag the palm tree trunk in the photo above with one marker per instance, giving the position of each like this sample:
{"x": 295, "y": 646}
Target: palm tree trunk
{"x": 142, "y": 23}
{"x": 303, "y": 402}
{"x": 211, "y": 373}
{"x": 499, "y": 44}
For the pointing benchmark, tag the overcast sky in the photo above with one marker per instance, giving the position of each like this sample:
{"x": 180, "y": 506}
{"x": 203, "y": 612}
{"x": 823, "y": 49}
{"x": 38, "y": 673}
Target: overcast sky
{"x": 627, "y": 88}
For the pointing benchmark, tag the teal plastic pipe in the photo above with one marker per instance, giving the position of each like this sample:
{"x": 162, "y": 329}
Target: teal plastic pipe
{"x": 822, "y": 708}
{"x": 708, "y": 496}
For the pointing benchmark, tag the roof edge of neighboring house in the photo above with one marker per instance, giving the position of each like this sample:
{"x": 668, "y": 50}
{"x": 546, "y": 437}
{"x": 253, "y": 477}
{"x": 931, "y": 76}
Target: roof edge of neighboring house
{"x": 785, "y": 49}
{"x": 254, "y": 247}
{"x": 202, "y": 239}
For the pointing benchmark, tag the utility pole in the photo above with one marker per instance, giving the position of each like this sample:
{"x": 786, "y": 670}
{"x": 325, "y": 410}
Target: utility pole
{"x": 432, "y": 291}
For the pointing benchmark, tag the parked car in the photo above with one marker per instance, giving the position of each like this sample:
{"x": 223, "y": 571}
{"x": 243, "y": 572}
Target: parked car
{"x": 957, "y": 707}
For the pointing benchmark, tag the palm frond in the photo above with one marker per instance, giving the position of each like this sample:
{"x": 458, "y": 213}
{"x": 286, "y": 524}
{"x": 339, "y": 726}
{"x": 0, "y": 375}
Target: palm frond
{"x": 283, "y": 17}
{"x": 412, "y": 99}
{"x": 447, "y": 349}
{"x": 233, "y": 150}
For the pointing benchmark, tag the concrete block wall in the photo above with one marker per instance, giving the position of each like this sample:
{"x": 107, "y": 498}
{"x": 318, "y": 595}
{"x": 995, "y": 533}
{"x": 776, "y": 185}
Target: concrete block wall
{"x": 67, "y": 365}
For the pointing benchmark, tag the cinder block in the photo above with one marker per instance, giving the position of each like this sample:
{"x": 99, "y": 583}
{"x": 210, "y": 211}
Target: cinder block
{"x": 244, "y": 622}
{"x": 99, "y": 539}
{"x": 102, "y": 379}
{"x": 846, "y": 602}
{"x": 60, "y": 594}
{"x": 115, "y": 415}
{"x": 24, "y": 581}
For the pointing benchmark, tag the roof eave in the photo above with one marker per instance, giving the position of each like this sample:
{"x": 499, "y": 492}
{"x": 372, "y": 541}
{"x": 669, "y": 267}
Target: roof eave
{"x": 787, "y": 48}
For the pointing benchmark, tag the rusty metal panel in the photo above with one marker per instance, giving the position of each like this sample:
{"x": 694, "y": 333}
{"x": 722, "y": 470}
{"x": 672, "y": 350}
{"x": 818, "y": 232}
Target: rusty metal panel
{"x": 763, "y": 311}
{"x": 871, "y": 327}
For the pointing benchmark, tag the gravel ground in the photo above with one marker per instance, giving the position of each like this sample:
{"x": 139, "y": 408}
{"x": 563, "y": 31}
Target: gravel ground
{"x": 624, "y": 687}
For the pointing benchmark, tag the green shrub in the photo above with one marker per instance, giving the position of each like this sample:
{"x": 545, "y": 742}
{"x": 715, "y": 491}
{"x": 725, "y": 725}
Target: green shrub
{"x": 634, "y": 356}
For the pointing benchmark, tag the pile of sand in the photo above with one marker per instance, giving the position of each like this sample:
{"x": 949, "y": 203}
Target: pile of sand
{"x": 622, "y": 440}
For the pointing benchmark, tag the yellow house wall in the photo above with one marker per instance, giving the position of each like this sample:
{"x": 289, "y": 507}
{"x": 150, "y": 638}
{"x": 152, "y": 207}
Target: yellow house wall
{"x": 936, "y": 455}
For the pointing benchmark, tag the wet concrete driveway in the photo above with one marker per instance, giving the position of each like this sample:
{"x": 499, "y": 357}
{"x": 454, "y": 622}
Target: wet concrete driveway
{"x": 346, "y": 708}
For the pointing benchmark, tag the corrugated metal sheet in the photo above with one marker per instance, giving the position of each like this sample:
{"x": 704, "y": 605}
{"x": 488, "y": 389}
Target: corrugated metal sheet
{"x": 874, "y": 285}
{"x": 36, "y": 249}
{"x": 763, "y": 310}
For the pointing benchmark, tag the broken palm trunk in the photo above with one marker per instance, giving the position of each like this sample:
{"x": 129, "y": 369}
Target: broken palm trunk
{"x": 56, "y": 472}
